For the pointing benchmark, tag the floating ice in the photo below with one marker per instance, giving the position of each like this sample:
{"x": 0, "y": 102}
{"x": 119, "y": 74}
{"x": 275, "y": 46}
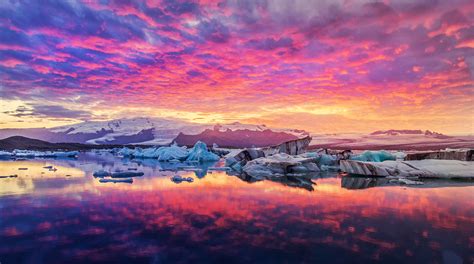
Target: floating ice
{"x": 414, "y": 168}
{"x": 279, "y": 165}
{"x": 44, "y": 154}
{"x": 200, "y": 153}
{"x": 374, "y": 156}
{"x": 125, "y": 152}
{"x": 324, "y": 161}
{"x": 5, "y": 153}
{"x": 173, "y": 152}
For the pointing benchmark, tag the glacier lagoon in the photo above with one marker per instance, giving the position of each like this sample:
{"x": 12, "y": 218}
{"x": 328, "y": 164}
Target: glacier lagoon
{"x": 55, "y": 211}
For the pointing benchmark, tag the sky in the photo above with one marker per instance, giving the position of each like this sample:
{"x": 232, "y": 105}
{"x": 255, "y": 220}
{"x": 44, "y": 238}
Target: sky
{"x": 323, "y": 66}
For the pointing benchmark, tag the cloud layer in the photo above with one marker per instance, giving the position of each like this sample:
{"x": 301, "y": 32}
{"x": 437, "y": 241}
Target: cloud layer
{"x": 407, "y": 63}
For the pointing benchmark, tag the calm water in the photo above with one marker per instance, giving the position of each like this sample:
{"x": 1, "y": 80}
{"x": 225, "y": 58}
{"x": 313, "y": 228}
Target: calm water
{"x": 67, "y": 216}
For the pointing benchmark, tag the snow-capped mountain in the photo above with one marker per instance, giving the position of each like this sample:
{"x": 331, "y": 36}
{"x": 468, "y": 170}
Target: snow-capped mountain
{"x": 394, "y": 139}
{"x": 146, "y": 131}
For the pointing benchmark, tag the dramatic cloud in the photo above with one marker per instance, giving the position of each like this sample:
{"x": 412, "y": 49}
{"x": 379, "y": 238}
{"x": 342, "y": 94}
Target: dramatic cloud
{"x": 407, "y": 63}
{"x": 49, "y": 111}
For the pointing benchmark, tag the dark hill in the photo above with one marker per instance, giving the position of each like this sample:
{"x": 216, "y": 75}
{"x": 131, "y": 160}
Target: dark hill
{"x": 243, "y": 138}
{"x": 20, "y": 142}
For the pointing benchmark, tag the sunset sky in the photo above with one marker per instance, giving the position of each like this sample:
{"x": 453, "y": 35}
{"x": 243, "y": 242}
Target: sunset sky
{"x": 323, "y": 66}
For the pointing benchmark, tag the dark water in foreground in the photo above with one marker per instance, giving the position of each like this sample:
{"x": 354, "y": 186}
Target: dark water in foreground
{"x": 48, "y": 217}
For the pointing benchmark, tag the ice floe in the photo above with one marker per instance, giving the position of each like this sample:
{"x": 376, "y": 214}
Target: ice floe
{"x": 44, "y": 154}
{"x": 279, "y": 165}
{"x": 414, "y": 168}
{"x": 200, "y": 153}
{"x": 374, "y": 156}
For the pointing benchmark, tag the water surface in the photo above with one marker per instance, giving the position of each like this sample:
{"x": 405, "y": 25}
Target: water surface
{"x": 67, "y": 216}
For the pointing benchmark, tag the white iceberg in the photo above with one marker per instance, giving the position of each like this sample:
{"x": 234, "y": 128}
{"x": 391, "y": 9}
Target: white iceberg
{"x": 5, "y": 153}
{"x": 200, "y": 153}
{"x": 173, "y": 152}
{"x": 44, "y": 154}
{"x": 413, "y": 168}
{"x": 279, "y": 165}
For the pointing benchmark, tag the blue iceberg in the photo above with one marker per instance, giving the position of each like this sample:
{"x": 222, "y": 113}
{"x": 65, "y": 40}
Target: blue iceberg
{"x": 374, "y": 156}
{"x": 200, "y": 153}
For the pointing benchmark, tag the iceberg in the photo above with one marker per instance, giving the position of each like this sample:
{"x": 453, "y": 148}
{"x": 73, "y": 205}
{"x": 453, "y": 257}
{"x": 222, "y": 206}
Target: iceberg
{"x": 44, "y": 154}
{"x": 173, "y": 152}
{"x": 415, "y": 168}
{"x": 239, "y": 160}
{"x": 447, "y": 154}
{"x": 279, "y": 165}
{"x": 5, "y": 153}
{"x": 200, "y": 153}
{"x": 292, "y": 147}
{"x": 324, "y": 161}
{"x": 125, "y": 152}
{"x": 374, "y": 156}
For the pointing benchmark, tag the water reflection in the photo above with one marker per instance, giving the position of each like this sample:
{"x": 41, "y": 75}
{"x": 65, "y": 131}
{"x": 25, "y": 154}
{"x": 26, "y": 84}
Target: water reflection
{"x": 360, "y": 182}
{"x": 220, "y": 218}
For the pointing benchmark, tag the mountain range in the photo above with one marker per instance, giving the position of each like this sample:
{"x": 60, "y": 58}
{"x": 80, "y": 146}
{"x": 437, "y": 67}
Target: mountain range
{"x": 159, "y": 131}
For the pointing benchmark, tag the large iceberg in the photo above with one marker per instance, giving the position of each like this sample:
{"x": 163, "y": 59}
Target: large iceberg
{"x": 414, "y": 168}
{"x": 239, "y": 160}
{"x": 279, "y": 165}
{"x": 173, "y": 152}
{"x": 200, "y": 153}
